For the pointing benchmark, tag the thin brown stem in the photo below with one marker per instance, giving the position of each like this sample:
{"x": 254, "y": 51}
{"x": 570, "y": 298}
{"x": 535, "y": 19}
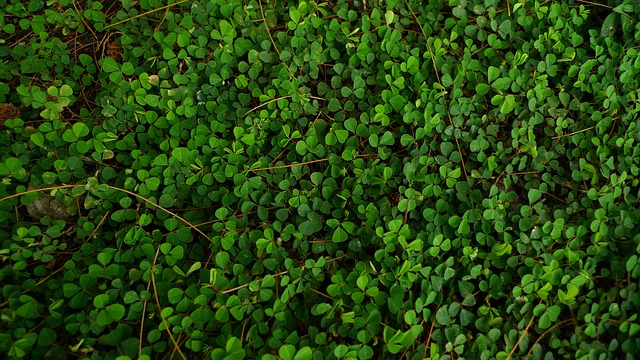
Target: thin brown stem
{"x": 561, "y": 323}
{"x": 264, "y": 104}
{"x": 302, "y": 163}
{"x": 435, "y": 69}
{"x": 275, "y": 275}
{"x": 524, "y": 333}
{"x": 573, "y": 133}
{"x": 145, "y": 13}
{"x": 272, "y": 41}
{"x": 426, "y": 346}
{"x": 164, "y": 321}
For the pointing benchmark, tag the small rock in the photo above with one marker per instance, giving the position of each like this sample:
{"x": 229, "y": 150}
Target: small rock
{"x": 8, "y": 111}
{"x": 48, "y": 206}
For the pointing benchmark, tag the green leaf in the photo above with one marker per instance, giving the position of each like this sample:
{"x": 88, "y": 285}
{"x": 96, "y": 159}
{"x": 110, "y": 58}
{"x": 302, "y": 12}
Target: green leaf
{"x": 446, "y": 147}
{"x": 397, "y": 102}
{"x": 52, "y": 91}
{"x": 70, "y": 289}
{"x": 294, "y": 14}
{"x": 145, "y": 219}
{"x": 459, "y": 12}
{"x": 342, "y": 135}
{"x": 387, "y": 139}
{"x": 171, "y": 224}
{"x": 153, "y": 183}
{"x": 69, "y": 136}
{"x": 222, "y": 259}
{"x": 493, "y": 73}
{"x": 103, "y": 318}
{"x": 153, "y": 101}
{"x": 104, "y": 258}
{"x": 553, "y": 312}
{"x": 181, "y": 154}
{"x": 339, "y": 235}
{"x": 65, "y": 90}
{"x": 388, "y": 17}
{"x": 166, "y": 201}
{"x": 442, "y": 316}
{"x": 175, "y": 295}
{"x": 609, "y": 25}
{"x": 183, "y": 40}
{"x": 222, "y": 314}
{"x": 334, "y": 105}
{"x": 47, "y": 336}
{"x": 505, "y": 28}
{"x": 463, "y": 228}
{"x": 482, "y": 89}
{"x": 37, "y": 138}
{"x": 320, "y": 309}
{"x": 287, "y": 352}
{"x": 80, "y": 130}
{"x": 362, "y": 282}
{"x": 235, "y": 349}
{"x": 168, "y": 54}
{"x": 310, "y": 227}
{"x": 116, "y": 311}
{"x": 160, "y": 160}
{"x": 101, "y": 300}
{"x": 508, "y": 104}
{"x": 109, "y": 65}
{"x": 302, "y": 148}
{"x": 394, "y": 348}
{"x": 502, "y": 84}
{"x": 128, "y": 69}
{"x": 534, "y": 195}
{"x": 304, "y": 353}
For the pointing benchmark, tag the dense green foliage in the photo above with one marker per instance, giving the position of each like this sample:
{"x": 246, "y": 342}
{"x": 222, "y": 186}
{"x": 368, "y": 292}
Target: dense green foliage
{"x": 302, "y": 180}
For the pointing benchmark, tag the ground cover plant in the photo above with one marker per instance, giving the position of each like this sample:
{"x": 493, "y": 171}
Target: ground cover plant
{"x": 232, "y": 179}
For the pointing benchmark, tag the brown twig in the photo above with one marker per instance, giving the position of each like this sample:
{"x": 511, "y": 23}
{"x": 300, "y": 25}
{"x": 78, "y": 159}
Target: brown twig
{"x": 573, "y": 133}
{"x": 521, "y": 337}
{"x": 275, "y": 275}
{"x": 435, "y": 69}
{"x": 595, "y": 4}
{"x": 161, "y": 208}
{"x": 302, "y": 163}
{"x": 321, "y": 293}
{"x": 145, "y": 13}
{"x": 272, "y": 41}
{"x": 82, "y": 19}
{"x": 164, "y": 321}
{"x": 604, "y": 6}
{"x": 264, "y": 104}
{"x": 426, "y": 346}
{"x": 561, "y": 323}
{"x": 97, "y": 227}
{"x": 144, "y": 310}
